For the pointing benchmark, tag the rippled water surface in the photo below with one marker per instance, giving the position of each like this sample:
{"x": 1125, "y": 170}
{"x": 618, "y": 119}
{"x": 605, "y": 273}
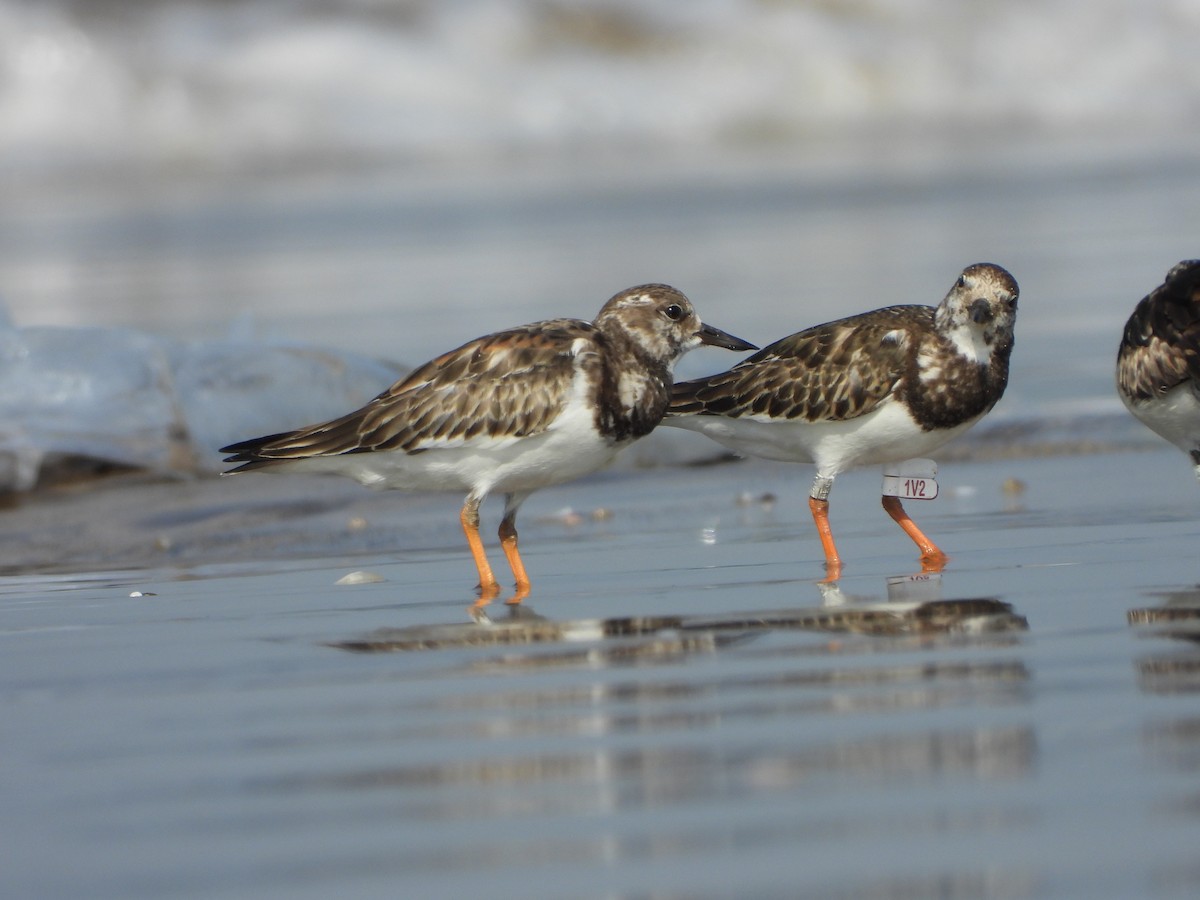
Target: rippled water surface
{"x": 678, "y": 709}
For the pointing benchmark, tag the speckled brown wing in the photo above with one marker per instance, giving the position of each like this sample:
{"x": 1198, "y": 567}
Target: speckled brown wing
{"x": 505, "y": 386}
{"x": 831, "y": 372}
{"x": 1161, "y": 344}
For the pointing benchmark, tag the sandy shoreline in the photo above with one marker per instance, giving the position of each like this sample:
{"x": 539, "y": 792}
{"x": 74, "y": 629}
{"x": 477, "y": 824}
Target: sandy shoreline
{"x": 142, "y": 520}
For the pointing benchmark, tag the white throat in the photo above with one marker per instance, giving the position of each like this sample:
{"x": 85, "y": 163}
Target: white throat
{"x": 970, "y": 344}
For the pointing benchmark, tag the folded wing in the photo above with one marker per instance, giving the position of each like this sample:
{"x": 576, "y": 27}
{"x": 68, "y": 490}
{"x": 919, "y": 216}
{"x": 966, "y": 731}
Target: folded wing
{"x": 828, "y": 373}
{"x": 495, "y": 389}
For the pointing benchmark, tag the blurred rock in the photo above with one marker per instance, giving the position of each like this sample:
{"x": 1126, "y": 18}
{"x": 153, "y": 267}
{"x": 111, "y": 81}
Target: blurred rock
{"x": 120, "y": 397}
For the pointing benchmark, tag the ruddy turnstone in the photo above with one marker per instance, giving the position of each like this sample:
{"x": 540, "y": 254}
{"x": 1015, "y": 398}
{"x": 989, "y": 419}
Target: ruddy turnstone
{"x": 513, "y": 411}
{"x": 878, "y": 387}
{"x": 1158, "y": 364}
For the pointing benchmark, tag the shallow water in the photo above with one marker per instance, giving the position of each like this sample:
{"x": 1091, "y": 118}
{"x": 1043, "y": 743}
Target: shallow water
{"x": 678, "y": 709}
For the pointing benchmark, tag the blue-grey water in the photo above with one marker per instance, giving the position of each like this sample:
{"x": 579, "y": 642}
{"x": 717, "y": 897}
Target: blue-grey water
{"x": 679, "y": 709}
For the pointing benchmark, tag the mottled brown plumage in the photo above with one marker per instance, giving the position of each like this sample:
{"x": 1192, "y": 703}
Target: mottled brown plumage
{"x": 1160, "y": 348}
{"x": 845, "y": 369}
{"x": 1158, "y": 362}
{"x": 828, "y": 372}
{"x": 883, "y": 386}
{"x": 513, "y": 411}
{"x": 511, "y": 384}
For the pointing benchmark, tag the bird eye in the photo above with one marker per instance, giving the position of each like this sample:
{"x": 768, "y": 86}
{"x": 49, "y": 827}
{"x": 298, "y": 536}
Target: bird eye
{"x": 674, "y": 312}
{"x": 962, "y": 281}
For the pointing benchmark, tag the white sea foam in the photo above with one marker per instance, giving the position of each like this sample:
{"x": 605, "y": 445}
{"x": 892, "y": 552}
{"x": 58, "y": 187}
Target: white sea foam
{"x": 214, "y": 84}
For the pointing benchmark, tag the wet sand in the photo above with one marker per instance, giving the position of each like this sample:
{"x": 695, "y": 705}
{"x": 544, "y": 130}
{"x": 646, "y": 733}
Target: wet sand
{"x": 678, "y": 708}
{"x": 90, "y": 516}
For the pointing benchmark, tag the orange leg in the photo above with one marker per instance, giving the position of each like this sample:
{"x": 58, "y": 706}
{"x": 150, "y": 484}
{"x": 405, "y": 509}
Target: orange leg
{"x": 820, "y": 514}
{"x": 508, "y": 540}
{"x": 469, "y": 517}
{"x": 932, "y": 558}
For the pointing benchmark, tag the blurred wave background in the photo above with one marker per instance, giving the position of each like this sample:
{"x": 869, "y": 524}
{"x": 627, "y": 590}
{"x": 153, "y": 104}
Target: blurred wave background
{"x": 169, "y": 162}
{"x": 236, "y": 86}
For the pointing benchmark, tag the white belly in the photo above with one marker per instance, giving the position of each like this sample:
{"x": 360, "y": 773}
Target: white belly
{"x": 887, "y": 434}
{"x": 1175, "y": 417}
{"x": 570, "y": 450}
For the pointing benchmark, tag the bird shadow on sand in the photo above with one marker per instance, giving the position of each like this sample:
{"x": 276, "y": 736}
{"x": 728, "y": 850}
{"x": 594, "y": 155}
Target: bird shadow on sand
{"x": 912, "y": 606}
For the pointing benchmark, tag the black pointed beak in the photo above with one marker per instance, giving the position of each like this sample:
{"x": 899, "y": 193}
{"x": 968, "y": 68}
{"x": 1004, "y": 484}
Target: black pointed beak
{"x": 715, "y": 337}
{"x": 981, "y": 312}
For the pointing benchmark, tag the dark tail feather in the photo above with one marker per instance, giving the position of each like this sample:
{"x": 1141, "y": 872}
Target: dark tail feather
{"x": 248, "y": 452}
{"x": 248, "y": 449}
{"x": 329, "y": 439}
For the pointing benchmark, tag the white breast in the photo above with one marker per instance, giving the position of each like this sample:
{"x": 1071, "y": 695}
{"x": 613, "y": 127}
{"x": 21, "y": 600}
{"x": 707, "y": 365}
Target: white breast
{"x": 1174, "y": 417}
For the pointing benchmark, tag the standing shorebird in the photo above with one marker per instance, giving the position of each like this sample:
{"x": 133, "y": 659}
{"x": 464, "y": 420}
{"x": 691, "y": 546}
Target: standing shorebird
{"x": 878, "y": 387}
{"x": 513, "y": 411}
{"x": 1158, "y": 363}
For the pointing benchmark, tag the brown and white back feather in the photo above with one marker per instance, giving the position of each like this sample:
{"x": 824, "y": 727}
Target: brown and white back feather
{"x": 507, "y": 385}
{"x": 518, "y": 383}
{"x": 1160, "y": 348}
{"x": 832, "y": 372}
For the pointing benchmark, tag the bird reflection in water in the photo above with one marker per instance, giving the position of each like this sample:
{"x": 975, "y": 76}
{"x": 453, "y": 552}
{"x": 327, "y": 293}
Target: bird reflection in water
{"x": 913, "y": 605}
{"x": 1172, "y": 671}
{"x": 1176, "y": 617}
{"x": 587, "y": 729}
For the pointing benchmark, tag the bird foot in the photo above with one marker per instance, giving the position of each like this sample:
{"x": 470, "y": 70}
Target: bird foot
{"x": 934, "y": 562}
